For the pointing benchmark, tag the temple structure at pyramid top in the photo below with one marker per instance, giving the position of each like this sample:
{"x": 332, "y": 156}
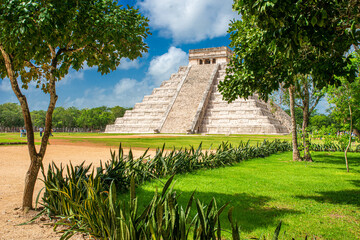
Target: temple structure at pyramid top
{"x": 189, "y": 102}
{"x": 209, "y": 55}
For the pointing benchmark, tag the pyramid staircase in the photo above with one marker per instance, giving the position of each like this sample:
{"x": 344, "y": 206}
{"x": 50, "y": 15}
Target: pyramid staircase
{"x": 251, "y": 116}
{"x": 149, "y": 115}
{"x": 189, "y": 102}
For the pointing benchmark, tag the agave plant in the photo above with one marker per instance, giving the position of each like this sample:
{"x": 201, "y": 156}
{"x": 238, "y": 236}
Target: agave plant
{"x": 87, "y": 202}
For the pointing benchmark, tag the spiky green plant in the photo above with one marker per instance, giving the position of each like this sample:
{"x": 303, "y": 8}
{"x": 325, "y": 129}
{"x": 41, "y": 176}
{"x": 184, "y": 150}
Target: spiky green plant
{"x": 86, "y": 200}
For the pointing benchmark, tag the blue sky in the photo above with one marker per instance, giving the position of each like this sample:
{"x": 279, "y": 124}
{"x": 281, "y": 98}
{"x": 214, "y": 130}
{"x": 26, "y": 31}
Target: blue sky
{"x": 176, "y": 27}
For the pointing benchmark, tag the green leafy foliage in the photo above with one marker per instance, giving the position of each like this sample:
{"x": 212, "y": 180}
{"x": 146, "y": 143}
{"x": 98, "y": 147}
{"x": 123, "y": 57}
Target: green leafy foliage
{"x": 98, "y": 33}
{"x": 276, "y": 40}
{"x": 41, "y": 40}
{"x": 86, "y": 200}
{"x": 63, "y": 118}
{"x": 103, "y": 217}
{"x": 320, "y": 120}
{"x": 11, "y": 115}
{"x": 346, "y": 96}
{"x": 38, "y": 118}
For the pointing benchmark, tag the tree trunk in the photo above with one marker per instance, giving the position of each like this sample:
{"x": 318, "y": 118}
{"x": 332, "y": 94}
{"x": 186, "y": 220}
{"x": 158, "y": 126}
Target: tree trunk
{"x": 296, "y": 154}
{"x": 35, "y": 158}
{"x": 349, "y": 144}
{"x": 306, "y": 113}
{"x": 30, "y": 180}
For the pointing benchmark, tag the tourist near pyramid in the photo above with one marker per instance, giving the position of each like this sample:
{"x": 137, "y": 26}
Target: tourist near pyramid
{"x": 189, "y": 102}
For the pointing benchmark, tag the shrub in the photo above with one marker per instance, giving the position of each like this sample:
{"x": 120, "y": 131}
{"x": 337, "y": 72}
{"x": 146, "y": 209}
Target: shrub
{"x": 86, "y": 199}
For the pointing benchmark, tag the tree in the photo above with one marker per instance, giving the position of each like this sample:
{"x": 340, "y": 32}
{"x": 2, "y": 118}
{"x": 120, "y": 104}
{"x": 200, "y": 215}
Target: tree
{"x": 246, "y": 76}
{"x": 118, "y": 111}
{"x": 346, "y": 102}
{"x": 38, "y": 118}
{"x": 319, "y": 120}
{"x": 298, "y": 111}
{"x": 65, "y": 118}
{"x": 95, "y": 118}
{"x": 306, "y": 99}
{"x": 309, "y": 98}
{"x": 277, "y": 40}
{"x": 10, "y": 115}
{"x": 41, "y": 40}
{"x": 296, "y": 153}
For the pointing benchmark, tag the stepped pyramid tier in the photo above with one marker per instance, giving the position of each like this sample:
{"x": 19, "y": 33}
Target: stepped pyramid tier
{"x": 189, "y": 102}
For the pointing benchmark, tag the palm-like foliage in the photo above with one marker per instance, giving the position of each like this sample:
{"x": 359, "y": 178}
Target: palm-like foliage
{"x": 86, "y": 200}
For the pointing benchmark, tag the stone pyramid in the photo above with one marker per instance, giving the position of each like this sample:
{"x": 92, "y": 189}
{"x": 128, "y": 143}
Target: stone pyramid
{"x": 189, "y": 102}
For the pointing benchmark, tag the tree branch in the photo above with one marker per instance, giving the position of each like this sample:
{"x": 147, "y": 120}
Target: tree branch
{"x": 22, "y": 99}
{"x": 30, "y": 65}
{"x": 316, "y": 103}
{"x": 52, "y": 51}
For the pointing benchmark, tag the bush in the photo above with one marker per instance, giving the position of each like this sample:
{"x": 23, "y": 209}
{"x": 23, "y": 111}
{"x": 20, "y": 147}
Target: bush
{"x": 86, "y": 200}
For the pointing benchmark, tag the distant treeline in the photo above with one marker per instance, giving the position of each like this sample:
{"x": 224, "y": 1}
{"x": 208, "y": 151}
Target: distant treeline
{"x": 64, "y": 119}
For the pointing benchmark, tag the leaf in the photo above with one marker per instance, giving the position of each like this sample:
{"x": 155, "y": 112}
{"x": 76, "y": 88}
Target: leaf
{"x": 167, "y": 184}
{"x": 324, "y": 14}
{"x": 277, "y": 231}
{"x": 132, "y": 189}
{"x": 313, "y": 21}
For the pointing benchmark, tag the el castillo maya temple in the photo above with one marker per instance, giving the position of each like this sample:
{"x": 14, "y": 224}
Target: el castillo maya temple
{"x": 189, "y": 102}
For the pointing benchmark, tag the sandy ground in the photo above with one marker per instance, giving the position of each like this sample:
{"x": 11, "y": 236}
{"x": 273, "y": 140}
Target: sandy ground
{"x": 14, "y": 161}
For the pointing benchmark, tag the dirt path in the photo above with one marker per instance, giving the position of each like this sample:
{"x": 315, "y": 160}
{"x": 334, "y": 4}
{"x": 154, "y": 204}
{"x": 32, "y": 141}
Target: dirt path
{"x": 14, "y": 161}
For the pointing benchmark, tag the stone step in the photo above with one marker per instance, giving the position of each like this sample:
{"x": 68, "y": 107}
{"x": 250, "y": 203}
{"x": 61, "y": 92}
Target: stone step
{"x": 163, "y": 98}
{"x": 183, "y": 111}
{"x": 245, "y": 129}
{"x": 145, "y": 112}
{"x": 183, "y": 69}
{"x": 164, "y": 90}
{"x": 133, "y": 129}
{"x": 238, "y": 111}
{"x": 152, "y": 105}
{"x": 238, "y": 102}
{"x": 217, "y": 96}
{"x": 144, "y": 120}
{"x": 138, "y": 125}
{"x": 233, "y": 121}
{"x": 140, "y": 116}
{"x": 173, "y": 82}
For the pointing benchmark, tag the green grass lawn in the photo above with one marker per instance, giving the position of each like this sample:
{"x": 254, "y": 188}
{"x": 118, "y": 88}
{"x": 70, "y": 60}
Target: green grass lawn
{"x": 316, "y": 199}
{"x": 11, "y": 137}
{"x": 179, "y": 141}
{"x": 151, "y": 140}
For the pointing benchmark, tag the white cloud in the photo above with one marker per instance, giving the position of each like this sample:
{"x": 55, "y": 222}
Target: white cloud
{"x": 5, "y": 85}
{"x": 126, "y": 64}
{"x": 189, "y": 20}
{"x": 73, "y": 75}
{"x": 163, "y": 66}
{"x": 128, "y": 91}
{"x": 125, "y": 93}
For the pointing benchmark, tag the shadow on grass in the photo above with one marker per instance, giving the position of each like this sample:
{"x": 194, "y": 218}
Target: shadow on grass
{"x": 356, "y": 183}
{"x": 251, "y": 212}
{"x": 349, "y": 197}
{"x": 331, "y": 158}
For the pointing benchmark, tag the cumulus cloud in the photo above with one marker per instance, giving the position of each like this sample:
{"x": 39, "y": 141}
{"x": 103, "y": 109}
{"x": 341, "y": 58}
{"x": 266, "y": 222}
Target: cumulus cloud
{"x": 73, "y": 75}
{"x": 163, "y": 66}
{"x": 128, "y": 91}
{"x": 189, "y": 20}
{"x": 5, "y": 85}
{"x": 125, "y": 93}
{"x": 126, "y": 64}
